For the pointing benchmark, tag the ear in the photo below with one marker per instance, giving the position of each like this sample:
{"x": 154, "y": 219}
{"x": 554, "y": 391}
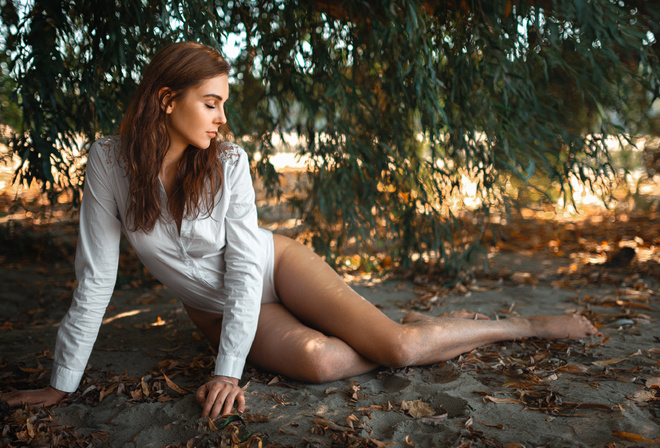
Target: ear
{"x": 164, "y": 95}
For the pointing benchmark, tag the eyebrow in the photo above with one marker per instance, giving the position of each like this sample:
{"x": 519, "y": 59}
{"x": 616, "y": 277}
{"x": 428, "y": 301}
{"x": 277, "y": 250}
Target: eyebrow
{"x": 213, "y": 95}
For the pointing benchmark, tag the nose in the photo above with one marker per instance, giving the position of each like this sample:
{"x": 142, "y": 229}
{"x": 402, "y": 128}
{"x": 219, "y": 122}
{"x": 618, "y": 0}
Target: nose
{"x": 220, "y": 117}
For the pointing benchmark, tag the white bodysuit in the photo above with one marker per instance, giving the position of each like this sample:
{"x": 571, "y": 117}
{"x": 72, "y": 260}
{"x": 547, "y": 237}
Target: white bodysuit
{"x": 215, "y": 264}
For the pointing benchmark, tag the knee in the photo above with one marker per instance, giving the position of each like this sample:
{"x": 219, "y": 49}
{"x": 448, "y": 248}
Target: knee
{"x": 396, "y": 351}
{"x": 320, "y": 364}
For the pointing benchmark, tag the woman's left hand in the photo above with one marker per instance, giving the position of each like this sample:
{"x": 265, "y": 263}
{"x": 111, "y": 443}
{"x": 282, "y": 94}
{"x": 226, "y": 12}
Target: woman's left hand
{"x": 218, "y": 396}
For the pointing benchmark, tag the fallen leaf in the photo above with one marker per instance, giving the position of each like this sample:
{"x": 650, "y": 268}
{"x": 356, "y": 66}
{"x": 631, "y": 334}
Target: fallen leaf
{"x": 212, "y": 426}
{"x": 608, "y": 362}
{"x": 329, "y": 424}
{"x": 89, "y": 389}
{"x": 30, "y": 370}
{"x": 145, "y": 388}
{"x": 643, "y": 396}
{"x": 650, "y": 382}
{"x": 173, "y": 386}
{"x": 588, "y": 405}
{"x": 378, "y": 443}
{"x": 355, "y": 387}
{"x": 376, "y": 407}
{"x": 631, "y": 437}
{"x": 255, "y": 418}
{"x": 573, "y": 368}
{"x": 30, "y": 428}
{"x": 417, "y": 408}
{"x": 501, "y": 400}
{"x": 409, "y": 442}
{"x": 107, "y": 391}
{"x": 351, "y": 419}
{"x": 500, "y": 426}
{"x": 171, "y": 349}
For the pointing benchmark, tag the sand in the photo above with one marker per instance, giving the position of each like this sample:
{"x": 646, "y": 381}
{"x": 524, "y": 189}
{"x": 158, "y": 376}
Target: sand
{"x": 595, "y": 392}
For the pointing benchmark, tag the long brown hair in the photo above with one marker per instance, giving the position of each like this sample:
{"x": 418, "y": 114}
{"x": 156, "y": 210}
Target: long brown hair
{"x": 144, "y": 138}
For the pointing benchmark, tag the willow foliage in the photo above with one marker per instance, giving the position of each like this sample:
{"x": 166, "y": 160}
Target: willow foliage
{"x": 394, "y": 101}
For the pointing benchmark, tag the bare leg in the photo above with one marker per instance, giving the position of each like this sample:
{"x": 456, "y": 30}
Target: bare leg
{"x": 311, "y": 290}
{"x": 286, "y": 346}
{"x": 323, "y": 330}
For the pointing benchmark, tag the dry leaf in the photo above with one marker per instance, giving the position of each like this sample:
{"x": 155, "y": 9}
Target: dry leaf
{"x": 30, "y": 370}
{"x": 376, "y": 407}
{"x": 378, "y": 443}
{"x": 255, "y": 418}
{"x": 355, "y": 387}
{"x": 417, "y": 408}
{"x": 107, "y": 391}
{"x": 409, "y": 442}
{"x": 608, "y": 362}
{"x": 30, "y": 428}
{"x": 631, "y": 437}
{"x": 573, "y": 368}
{"x": 500, "y": 426}
{"x": 650, "y": 382}
{"x": 212, "y": 426}
{"x": 145, "y": 388}
{"x": 173, "y": 386}
{"x": 324, "y": 422}
{"x": 501, "y": 400}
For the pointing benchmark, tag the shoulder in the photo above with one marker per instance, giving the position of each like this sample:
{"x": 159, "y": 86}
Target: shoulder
{"x": 231, "y": 154}
{"x": 105, "y": 150}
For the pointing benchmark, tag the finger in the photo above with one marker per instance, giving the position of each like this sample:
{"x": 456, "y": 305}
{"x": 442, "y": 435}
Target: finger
{"x": 217, "y": 403}
{"x": 211, "y": 398}
{"x": 229, "y": 402}
{"x": 240, "y": 402}
{"x": 200, "y": 396}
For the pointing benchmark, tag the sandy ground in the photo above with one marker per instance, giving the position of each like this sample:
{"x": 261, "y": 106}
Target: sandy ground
{"x": 148, "y": 359}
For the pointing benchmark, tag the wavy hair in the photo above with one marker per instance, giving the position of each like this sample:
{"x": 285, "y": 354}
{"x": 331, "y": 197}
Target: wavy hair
{"x": 144, "y": 138}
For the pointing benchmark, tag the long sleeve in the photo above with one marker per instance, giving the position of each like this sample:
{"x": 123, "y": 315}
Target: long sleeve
{"x": 243, "y": 279}
{"x": 97, "y": 257}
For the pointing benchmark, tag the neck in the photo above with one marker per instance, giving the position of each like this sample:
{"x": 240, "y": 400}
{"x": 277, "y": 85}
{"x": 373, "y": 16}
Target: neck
{"x": 172, "y": 158}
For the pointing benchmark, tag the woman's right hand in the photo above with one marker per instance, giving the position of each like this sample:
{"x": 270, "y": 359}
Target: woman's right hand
{"x": 37, "y": 397}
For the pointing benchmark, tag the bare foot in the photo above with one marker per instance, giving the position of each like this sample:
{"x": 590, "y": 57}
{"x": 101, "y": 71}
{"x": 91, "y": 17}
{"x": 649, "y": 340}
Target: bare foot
{"x": 563, "y": 326}
{"x": 414, "y": 316}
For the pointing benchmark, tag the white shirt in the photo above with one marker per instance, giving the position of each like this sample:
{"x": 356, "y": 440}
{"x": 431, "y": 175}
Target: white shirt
{"x": 214, "y": 264}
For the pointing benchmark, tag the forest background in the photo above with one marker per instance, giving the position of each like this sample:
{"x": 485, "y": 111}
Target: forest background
{"x": 423, "y": 126}
{"x": 501, "y": 156}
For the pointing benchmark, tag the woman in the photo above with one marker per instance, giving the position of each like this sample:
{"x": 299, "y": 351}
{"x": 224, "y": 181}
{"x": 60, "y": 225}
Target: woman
{"x": 185, "y": 202}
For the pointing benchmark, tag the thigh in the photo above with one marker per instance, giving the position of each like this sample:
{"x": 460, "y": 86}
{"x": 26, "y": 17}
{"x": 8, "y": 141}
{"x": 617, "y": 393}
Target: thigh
{"x": 286, "y": 346}
{"x": 315, "y": 294}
